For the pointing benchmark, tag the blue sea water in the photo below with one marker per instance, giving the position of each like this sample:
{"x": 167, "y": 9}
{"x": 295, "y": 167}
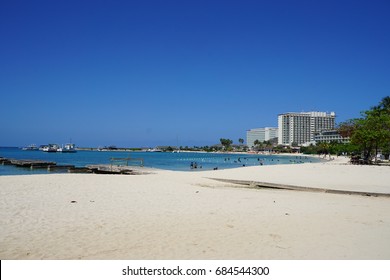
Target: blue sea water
{"x": 169, "y": 161}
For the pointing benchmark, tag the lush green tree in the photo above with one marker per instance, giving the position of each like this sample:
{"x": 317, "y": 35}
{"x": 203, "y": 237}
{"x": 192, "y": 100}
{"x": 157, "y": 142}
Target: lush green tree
{"x": 168, "y": 149}
{"x": 267, "y": 145}
{"x": 384, "y": 105}
{"x": 294, "y": 144}
{"x": 382, "y": 112}
{"x": 241, "y": 141}
{"x": 226, "y": 143}
{"x": 282, "y": 149}
{"x": 323, "y": 148}
{"x": 371, "y": 132}
{"x": 346, "y": 129}
{"x": 260, "y": 146}
{"x": 309, "y": 150}
{"x": 257, "y": 144}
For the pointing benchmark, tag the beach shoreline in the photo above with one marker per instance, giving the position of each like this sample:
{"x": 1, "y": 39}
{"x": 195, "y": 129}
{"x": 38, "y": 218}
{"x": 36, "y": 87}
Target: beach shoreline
{"x": 189, "y": 215}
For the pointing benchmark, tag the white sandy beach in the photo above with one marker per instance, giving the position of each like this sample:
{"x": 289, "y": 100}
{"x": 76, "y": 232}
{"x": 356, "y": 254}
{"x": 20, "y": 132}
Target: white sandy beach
{"x": 186, "y": 215}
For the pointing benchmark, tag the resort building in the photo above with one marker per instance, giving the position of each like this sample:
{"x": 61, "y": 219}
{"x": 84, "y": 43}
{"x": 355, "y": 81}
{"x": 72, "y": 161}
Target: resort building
{"x": 301, "y": 128}
{"x": 330, "y": 136}
{"x": 260, "y": 134}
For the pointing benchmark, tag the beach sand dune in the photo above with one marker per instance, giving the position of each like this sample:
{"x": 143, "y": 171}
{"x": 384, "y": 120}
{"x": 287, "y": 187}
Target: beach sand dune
{"x": 186, "y": 215}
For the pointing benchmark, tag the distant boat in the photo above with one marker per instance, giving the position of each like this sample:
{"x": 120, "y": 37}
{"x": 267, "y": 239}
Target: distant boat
{"x": 155, "y": 150}
{"x": 31, "y": 147}
{"x": 68, "y": 148}
{"x": 51, "y": 148}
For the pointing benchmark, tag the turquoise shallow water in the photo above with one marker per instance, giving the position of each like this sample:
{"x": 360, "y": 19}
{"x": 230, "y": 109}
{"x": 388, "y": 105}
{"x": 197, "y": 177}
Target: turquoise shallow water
{"x": 170, "y": 161}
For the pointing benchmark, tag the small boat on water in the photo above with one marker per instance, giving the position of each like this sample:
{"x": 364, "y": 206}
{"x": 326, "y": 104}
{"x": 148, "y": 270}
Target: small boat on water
{"x": 31, "y": 147}
{"x": 155, "y": 150}
{"x": 67, "y": 148}
{"x": 51, "y": 148}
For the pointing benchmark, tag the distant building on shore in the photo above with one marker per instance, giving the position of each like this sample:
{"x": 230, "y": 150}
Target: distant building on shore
{"x": 261, "y": 134}
{"x": 301, "y": 128}
{"x": 330, "y": 136}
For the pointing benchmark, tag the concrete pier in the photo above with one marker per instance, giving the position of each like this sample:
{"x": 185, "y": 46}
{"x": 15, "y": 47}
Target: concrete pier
{"x": 117, "y": 166}
{"x": 34, "y": 164}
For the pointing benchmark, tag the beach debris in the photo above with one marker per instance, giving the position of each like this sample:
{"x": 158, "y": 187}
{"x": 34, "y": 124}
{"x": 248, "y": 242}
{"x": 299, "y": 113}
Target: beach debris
{"x": 287, "y": 214}
{"x": 73, "y": 201}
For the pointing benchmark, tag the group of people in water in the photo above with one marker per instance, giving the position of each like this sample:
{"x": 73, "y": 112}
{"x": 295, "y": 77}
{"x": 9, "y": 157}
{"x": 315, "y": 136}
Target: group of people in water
{"x": 298, "y": 159}
{"x": 244, "y": 160}
{"x": 260, "y": 161}
{"x": 194, "y": 165}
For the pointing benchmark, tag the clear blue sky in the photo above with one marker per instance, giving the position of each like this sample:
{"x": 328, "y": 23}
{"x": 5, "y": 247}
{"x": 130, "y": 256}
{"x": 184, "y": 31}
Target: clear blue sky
{"x": 145, "y": 73}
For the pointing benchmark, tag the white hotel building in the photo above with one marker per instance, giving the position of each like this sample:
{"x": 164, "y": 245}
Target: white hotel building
{"x": 261, "y": 134}
{"x": 301, "y": 128}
